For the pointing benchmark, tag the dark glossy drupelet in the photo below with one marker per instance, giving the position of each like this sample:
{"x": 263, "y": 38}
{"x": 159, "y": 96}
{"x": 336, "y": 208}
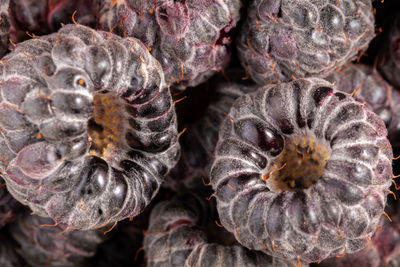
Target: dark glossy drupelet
{"x": 367, "y": 86}
{"x": 384, "y": 247}
{"x": 88, "y": 126}
{"x": 189, "y": 38}
{"x": 336, "y": 214}
{"x": 40, "y": 17}
{"x": 175, "y": 238}
{"x": 286, "y": 39}
{"x": 4, "y": 26}
{"x": 199, "y": 140}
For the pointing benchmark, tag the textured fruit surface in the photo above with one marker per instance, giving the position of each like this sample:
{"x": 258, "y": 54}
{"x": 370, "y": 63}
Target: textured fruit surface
{"x": 125, "y": 245}
{"x": 190, "y": 38}
{"x": 383, "y": 250}
{"x": 367, "y": 86}
{"x": 286, "y": 39}
{"x": 175, "y": 238}
{"x": 4, "y": 26}
{"x": 390, "y": 53}
{"x": 267, "y": 157}
{"x": 39, "y": 17}
{"x": 199, "y": 141}
{"x": 43, "y": 244}
{"x": 88, "y": 126}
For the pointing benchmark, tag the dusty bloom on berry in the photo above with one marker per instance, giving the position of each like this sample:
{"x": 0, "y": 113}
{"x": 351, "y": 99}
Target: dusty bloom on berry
{"x": 284, "y": 39}
{"x": 88, "y": 126}
{"x": 301, "y": 171}
{"x": 191, "y": 39}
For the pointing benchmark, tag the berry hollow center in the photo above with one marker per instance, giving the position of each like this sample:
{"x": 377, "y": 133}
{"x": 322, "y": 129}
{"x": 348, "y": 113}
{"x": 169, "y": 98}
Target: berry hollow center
{"x": 299, "y": 166}
{"x": 105, "y": 127}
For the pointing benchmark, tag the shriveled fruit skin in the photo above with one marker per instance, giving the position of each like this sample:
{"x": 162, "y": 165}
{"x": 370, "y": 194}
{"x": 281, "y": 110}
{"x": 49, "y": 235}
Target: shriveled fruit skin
{"x": 367, "y": 86}
{"x": 286, "y": 39}
{"x": 190, "y": 38}
{"x": 199, "y": 141}
{"x": 88, "y": 126}
{"x": 175, "y": 238}
{"x": 41, "y": 243}
{"x": 336, "y": 214}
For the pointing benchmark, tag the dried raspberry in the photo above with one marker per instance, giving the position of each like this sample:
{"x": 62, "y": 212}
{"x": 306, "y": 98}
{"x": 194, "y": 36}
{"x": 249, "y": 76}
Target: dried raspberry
{"x": 283, "y": 39}
{"x": 175, "y": 238}
{"x": 89, "y": 126}
{"x": 302, "y": 170}
{"x": 199, "y": 141}
{"x": 368, "y": 87}
{"x": 44, "y": 245}
{"x": 190, "y": 38}
{"x": 390, "y": 53}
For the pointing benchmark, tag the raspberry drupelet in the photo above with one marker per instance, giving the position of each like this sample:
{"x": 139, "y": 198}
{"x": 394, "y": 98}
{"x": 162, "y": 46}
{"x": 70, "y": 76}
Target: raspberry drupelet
{"x": 199, "y": 141}
{"x": 191, "y": 39}
{"x": 43, "y": 244}
{"x": 88, "y": 127}
{"x": 40, "y": 17}
{"x": 4, "y": 26}
{"x": 286, "y": 39}
{"x": 366, "y": 85}
{"x": 301, "y": 171}
{"x": 383, "y": 250}
{"x": 177, "y": 236}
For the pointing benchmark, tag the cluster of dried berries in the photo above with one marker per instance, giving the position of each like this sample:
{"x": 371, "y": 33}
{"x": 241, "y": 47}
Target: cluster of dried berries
{"x": 199, "y": 133}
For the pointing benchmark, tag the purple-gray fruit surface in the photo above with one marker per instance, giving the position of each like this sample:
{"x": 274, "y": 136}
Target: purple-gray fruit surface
{"x": 389, "y": 64}
{"x": 175, "y": 238}
{"x": 44, "y": 244}
{"x": 4, "y": 26}
{"x": 199, "y": 141}
{"x": 301, "y": 171}
{"x": 286, "y": 39}
{"x": 367, "y": 86}
{"x": 39, "y": 17}
{"x": 189, "y": 38}
{"x": 88, "y": 126}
